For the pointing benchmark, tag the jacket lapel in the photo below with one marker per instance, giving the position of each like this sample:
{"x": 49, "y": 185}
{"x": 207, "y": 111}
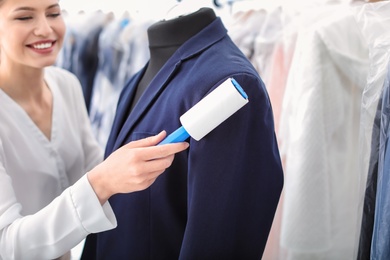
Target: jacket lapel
{"x": 147, "y": 99}
{"x": 210, "y": 35}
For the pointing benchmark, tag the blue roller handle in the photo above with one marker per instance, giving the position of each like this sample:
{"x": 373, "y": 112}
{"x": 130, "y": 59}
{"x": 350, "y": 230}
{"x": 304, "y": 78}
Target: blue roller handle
{"x": 180, "y": 135}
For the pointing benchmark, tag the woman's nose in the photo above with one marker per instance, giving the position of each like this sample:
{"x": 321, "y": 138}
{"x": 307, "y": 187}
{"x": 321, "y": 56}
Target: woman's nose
{"x": 42, "y": 27}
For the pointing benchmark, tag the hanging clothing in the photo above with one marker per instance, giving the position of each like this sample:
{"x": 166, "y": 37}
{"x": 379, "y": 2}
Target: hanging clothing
{"x": 380, "y": 248}
{"x": 244, "y": 27}
{"x": 320, "y": 135}
{"x": 118, "y": 61}
{"x": 367, "y": 223}
{"x": 373, "y": 21}
{"x": 106, "y": 86}
{"x": 218, "y": 198}
{"x": 40, "y": 217}
{"x": 80, "y": 49}
{"x": 265, "y": 43}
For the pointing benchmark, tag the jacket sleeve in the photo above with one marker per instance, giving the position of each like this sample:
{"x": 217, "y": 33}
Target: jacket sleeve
{"x": 235, "y": 179}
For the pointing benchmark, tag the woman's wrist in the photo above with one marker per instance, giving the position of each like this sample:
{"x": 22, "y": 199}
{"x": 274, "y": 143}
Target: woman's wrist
{"x": 99, "y": 186}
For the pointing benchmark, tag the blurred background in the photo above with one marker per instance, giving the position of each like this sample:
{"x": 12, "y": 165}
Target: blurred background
{"x": 325, "y": 67}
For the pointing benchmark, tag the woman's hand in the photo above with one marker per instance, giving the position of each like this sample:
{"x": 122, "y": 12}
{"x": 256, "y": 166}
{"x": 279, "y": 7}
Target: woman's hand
{"x": 133, "y": 167}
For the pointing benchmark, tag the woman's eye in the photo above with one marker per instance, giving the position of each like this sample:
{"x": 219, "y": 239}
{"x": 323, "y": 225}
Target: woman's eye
{"x": 54, "y": 15}
{"x": 24, "y": 18}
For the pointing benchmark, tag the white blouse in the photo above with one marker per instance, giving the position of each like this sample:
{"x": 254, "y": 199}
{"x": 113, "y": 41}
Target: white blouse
{"x": 41, "y": 215}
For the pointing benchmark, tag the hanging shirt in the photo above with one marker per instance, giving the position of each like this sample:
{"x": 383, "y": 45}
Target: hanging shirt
{"x": 40, "y": 217}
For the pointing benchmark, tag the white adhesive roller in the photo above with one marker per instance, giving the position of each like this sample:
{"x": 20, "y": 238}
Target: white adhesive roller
{"x": 210, "y": 112}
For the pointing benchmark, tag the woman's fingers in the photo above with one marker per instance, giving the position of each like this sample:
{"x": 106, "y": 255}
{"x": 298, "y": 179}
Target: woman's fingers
{"x": 153, "y": 151}
{"x": 161, "y": 151}
{"x": 133, "y": 167}
{"x": 149, "y": 141}
{"x": 159, "y": 164}
{"x": 148, "y": 150}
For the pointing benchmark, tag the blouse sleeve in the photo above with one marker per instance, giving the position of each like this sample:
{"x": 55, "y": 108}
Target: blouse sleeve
{"x": 55, "y": 229}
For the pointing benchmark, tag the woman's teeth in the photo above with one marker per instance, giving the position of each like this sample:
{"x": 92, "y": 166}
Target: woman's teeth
{"x": 42, "y": 45}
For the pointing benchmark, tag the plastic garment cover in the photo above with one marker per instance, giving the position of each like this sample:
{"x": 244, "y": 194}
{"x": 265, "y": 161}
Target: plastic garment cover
{"x": 244, "y": 27}
{"x": 320, "y": 133}
{"x": 374, "y": 21}
{"x": 265, "y": 43}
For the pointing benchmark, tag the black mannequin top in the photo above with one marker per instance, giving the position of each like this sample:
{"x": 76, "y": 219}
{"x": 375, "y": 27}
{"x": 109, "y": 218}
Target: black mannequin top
{"x": 166, "y": 36}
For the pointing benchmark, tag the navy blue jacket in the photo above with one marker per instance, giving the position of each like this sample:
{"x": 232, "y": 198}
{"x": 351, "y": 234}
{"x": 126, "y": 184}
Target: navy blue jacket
{"x": 218, "y": 199}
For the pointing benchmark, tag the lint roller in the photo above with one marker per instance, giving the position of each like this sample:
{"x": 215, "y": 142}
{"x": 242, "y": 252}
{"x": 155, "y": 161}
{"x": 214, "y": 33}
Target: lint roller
{"x": 209, "y": 112}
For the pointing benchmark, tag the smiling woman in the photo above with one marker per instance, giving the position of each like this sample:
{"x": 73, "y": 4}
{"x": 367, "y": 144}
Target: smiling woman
{"x": 54, "y": 186}
{"x": 39, "y": 28}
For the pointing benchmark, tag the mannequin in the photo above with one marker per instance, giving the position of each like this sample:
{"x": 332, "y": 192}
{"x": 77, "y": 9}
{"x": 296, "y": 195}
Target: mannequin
{"x": 218, "y": 199}
{"x": 162, "y": 45}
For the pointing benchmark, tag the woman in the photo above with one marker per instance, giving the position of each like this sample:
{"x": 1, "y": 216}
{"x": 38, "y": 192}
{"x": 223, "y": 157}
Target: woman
{"x": 47, "y": 202}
